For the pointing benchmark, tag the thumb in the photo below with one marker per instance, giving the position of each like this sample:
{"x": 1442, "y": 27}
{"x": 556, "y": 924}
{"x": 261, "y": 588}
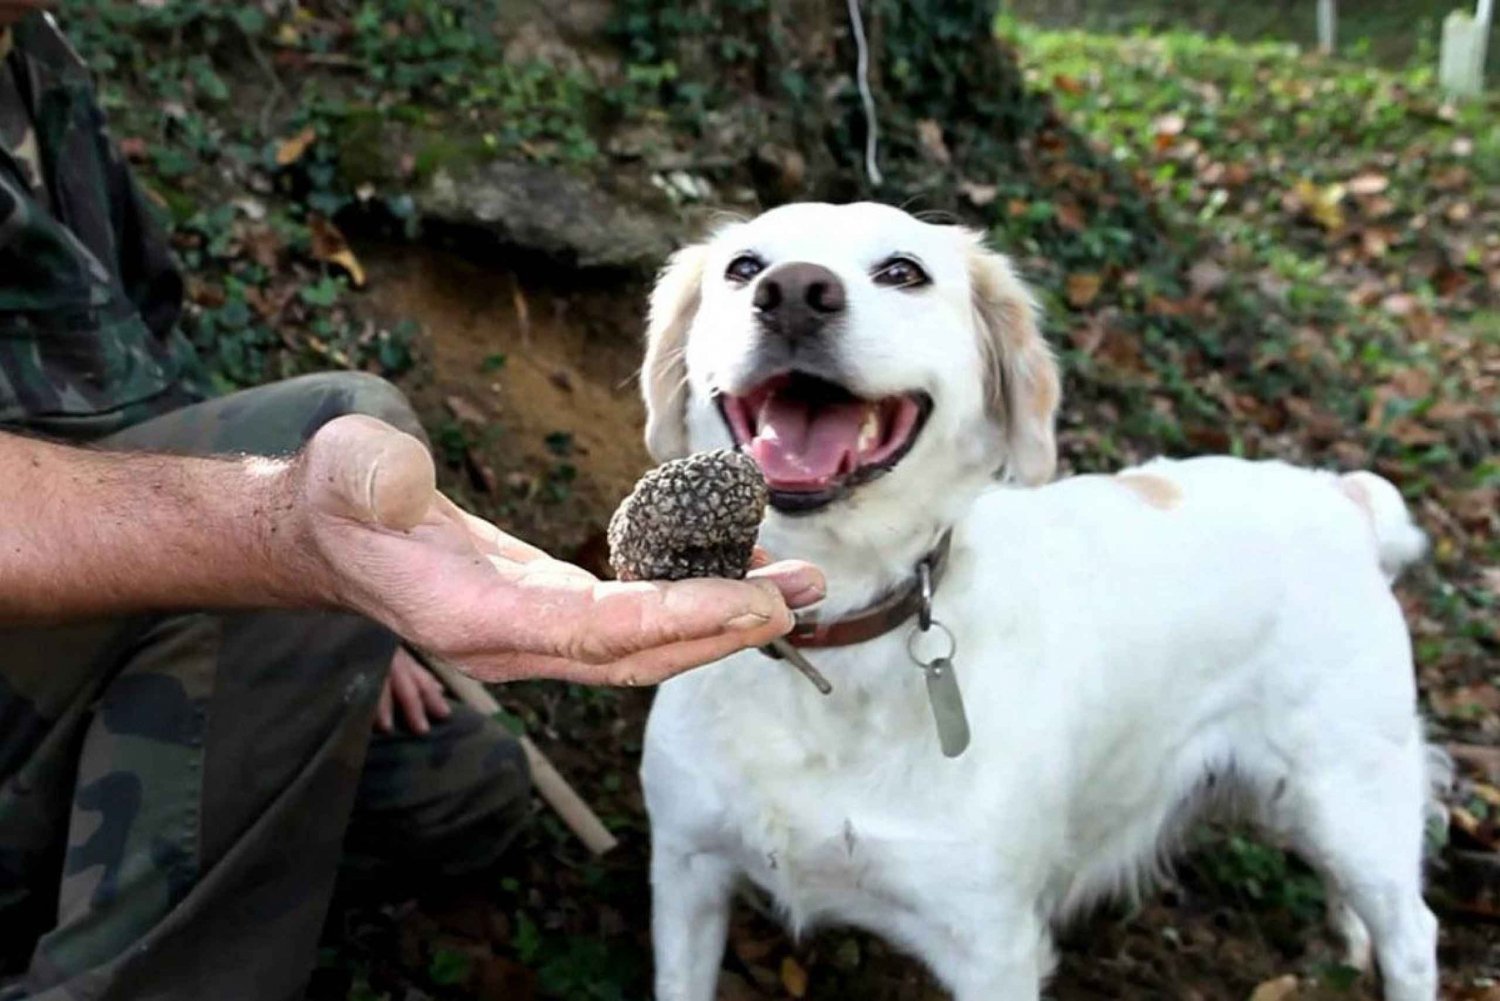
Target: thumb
{"x": 361, "y": 468}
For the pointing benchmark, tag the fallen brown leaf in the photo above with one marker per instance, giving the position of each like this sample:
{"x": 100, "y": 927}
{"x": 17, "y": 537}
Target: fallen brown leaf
{"x": 1070, "y": 216}
{"x": 1068, "y": 84}
{"x": 1083, "y": 289}
{"x": 1167, "y": 128}
{"x": 793, "y": 977}
{"x": 1321, "y": 204}
{"x": 1464, "y": 822}
{"x": 1400, "y": 304}
{"x": 330, "y": 247}
{"x": 293, "y": 149}
{"x": 1452, "y": 179}
{"x": 1376, "y": 241}
{"x": 1368, "y": 183}
{"x": 1206, "y": 278}
{"x": 1459, "y": 212}
{"x": 979, "y": 195}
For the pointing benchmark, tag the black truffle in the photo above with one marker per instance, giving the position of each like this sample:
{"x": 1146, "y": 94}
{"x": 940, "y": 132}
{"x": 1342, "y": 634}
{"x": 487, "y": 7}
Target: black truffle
{"x": 693, "y": 517}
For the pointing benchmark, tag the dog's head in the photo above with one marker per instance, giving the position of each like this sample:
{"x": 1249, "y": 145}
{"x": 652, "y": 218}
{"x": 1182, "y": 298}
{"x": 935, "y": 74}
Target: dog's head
{"x": 854, "y": 351}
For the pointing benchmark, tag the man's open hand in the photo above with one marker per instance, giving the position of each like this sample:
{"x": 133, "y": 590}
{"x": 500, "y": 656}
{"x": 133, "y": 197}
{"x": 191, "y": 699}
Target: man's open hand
{"x": 388, "y": 545}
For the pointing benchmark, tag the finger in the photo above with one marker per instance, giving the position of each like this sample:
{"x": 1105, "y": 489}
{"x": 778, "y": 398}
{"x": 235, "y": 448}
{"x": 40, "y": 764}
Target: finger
{"x": 606, "y": 622}
{"x": 383, "y": 721}
{"x": 644, "y": 668}
{"x": 404, "y": 690}
{"x": 801, "y": 584}
{"x": 655, "y": 666}
{"x": 759, "y": 558}
{"x": 432, "y": 695}
{"x": 367, "y": 470}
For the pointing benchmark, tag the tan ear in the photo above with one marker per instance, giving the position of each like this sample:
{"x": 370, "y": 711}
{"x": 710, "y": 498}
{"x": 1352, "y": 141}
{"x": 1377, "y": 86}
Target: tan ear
{"x": 674, "y": 304}
{"x": 1021, "y": 384}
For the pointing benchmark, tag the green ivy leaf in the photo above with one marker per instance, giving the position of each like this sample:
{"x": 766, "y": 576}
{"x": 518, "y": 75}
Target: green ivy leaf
{"x": 449, "y": 967}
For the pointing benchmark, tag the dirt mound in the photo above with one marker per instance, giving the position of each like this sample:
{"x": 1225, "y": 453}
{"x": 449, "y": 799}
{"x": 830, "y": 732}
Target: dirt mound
{"x": 529, "y": 386}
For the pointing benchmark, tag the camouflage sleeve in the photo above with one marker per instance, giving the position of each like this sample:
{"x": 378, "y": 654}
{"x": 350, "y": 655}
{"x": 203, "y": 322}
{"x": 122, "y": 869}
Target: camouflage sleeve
{"x": 90, "y": 296}
{"x": 147, "y": 268}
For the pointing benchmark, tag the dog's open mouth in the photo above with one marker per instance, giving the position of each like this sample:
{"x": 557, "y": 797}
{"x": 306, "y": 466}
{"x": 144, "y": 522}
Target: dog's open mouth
{"x": 814, "y": 440}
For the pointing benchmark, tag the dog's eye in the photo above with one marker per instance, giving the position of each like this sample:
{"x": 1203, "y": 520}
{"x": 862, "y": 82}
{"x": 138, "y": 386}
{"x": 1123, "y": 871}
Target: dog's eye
{"x": 744, "y": 268}
{"x": 901, "y": 272}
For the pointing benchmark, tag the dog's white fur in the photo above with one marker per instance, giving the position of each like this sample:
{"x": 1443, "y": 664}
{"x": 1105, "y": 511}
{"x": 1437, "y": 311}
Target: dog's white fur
{"x": 1124, "y": 643}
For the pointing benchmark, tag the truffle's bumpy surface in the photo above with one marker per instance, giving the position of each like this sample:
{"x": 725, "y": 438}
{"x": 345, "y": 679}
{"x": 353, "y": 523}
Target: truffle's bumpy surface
{"x": 693, "y": 517}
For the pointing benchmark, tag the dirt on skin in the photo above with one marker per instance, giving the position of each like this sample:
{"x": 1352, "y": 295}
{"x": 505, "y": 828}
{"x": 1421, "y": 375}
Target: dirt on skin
{"x": 570, "y": 358}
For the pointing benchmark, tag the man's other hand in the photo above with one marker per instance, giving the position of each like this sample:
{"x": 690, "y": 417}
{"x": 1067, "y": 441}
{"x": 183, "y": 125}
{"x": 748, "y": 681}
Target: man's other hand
{"x": 415, "y": 692}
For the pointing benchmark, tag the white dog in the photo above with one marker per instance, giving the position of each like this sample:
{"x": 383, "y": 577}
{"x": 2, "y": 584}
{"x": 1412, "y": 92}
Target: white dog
{"x": 1122, "y": 643}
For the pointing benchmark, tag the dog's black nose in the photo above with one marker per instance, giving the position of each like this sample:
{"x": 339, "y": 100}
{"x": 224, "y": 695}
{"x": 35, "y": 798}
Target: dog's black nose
{"x": 796, "y": 300}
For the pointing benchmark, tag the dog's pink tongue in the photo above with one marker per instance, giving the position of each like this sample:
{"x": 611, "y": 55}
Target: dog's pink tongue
{"x": 800, "y": 449}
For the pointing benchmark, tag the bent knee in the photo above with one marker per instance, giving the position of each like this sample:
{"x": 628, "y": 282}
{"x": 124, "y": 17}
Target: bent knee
{"x": 453, "y": 801}
{"x": 500, "y": 805}
{"x": 344, "y": 393}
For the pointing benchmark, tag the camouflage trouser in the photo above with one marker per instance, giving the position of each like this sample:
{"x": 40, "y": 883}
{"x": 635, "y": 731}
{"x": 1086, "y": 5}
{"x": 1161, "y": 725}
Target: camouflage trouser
{"x": 178, "y": 792}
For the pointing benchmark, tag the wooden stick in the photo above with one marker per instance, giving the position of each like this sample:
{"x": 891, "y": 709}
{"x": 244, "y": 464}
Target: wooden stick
{"x": 554, "y": 789}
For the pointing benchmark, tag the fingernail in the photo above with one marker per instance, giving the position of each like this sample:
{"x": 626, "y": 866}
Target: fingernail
{"x": 799, "y": 584}
{"x": 811, "y": 593}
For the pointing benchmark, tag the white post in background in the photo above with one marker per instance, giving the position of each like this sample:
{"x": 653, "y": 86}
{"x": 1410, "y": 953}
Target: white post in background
{"x": 1465, "y": 45}
{"x": 1327, "y": 26}
{"x": 1485, "y": 16}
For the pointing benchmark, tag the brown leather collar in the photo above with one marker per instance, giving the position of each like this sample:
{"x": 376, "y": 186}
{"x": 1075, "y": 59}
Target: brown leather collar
{"x": 882, "y": 617}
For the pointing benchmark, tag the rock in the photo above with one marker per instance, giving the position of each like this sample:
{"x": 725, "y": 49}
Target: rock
{"x": 549, "y": 211}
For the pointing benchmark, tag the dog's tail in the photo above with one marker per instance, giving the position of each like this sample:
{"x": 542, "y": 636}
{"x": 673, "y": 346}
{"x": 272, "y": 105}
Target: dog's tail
{"x": 1398, "y": 541}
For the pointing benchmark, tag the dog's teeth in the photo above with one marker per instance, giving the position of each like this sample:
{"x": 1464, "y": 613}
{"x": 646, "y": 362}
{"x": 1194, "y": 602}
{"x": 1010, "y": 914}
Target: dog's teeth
{"x": 869, "y": 431}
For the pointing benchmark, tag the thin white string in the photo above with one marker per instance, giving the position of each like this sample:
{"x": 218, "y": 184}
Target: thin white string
{"x": 872, "y": 135}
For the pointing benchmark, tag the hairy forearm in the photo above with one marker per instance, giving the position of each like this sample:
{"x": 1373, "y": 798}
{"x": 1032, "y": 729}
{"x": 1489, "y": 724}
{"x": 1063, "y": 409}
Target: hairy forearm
{"x": 86, "y": 533}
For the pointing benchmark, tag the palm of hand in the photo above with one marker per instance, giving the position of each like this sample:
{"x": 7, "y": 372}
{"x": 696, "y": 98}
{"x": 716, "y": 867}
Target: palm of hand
{"x": 499, "y": 608}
